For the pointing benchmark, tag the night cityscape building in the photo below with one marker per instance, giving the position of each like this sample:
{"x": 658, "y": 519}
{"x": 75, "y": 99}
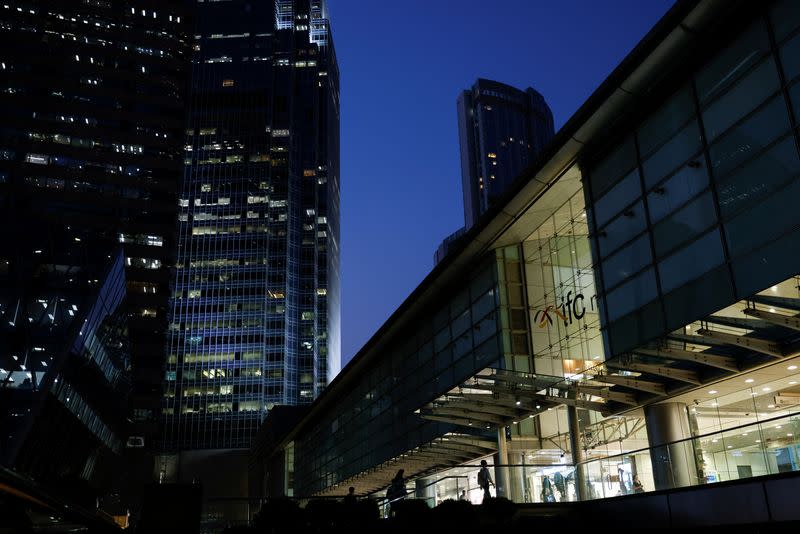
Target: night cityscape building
{"x": 626, "y": 321}
{"x": 90, "y": 166}
{"x": 255, "y": 310}
{"x": 501, "y": 130}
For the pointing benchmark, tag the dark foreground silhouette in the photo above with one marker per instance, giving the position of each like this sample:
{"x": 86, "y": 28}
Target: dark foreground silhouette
{"x": 278, "y": 516}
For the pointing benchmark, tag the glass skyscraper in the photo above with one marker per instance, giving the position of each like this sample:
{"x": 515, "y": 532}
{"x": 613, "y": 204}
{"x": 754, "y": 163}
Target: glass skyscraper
{"x": 255, "y": 310}
{"x": 90, "y": 162}
{"x": 501, "y": 130}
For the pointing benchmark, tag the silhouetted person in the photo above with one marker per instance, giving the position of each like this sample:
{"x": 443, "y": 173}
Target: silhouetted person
{"x": 350, "y": 498}
{"x": 485, "y": 480}
{"x": 397, "y": 489}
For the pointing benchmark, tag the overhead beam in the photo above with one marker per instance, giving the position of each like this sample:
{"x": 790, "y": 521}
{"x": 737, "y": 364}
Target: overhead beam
{"x": 712, "y": 360}
{"x": 693, "y": 339}
{"x": 632, "y": 383}
{"x": 471, "y": 440}
{"x": 507, "y": 391}
{"x": 774, "y": 318}
{"x": 736, "y": 322}
{"x": 453, "y": 420}
{"x": 606, "y": 393}
{"x": 500, "y": 399}
{"x": 659, "y": 370}
{"x": 764, "y": 346}
{"x": 456, "y": 446}
{"x": 781, "y": 302}
{"x": 468, "y": 414}
{"x": 532, "y": 381}
{"x": 480, "y": 406}
{"x": 588, "y": 405}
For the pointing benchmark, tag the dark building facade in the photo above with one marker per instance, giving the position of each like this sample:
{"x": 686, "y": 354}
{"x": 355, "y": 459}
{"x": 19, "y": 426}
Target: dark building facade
{"x": 90, "y": 165}
{"x": 625, "y": 322}
{"x": 500, "y": 130}
{"x": 255, "y": 309}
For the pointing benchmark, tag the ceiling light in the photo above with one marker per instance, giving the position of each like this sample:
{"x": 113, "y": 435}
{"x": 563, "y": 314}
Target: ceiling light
{"x": 766, "y": 389}
{"x": 772, "y": 310}
{"x": 758, "y": 441}
{"x": 730, "y": 446}
{"x": 713, "y": 391}
{"x": 745, "y": 434}
{"x": 793, "y": 382}
{"x": 770, "y": 405}
{"x": 518, "y": 403}
{"x": 749, "y": 381}
{"x": 792, "y": 367}
{"x": 788, "y": 434}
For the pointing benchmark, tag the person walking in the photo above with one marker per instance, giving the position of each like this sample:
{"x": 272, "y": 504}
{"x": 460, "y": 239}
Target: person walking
{"x": 485, "y": 480}
{"x": 397, "y": 489}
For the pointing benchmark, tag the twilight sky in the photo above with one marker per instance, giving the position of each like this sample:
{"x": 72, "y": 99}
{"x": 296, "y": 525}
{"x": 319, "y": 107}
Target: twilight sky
{"x": 402, "y": 65}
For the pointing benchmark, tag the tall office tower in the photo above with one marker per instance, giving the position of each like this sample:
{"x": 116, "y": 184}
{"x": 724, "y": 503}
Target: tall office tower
{"x": 255, "y": 315}
{"x": 90, "y": 166}
{"x": 501, "y": 130}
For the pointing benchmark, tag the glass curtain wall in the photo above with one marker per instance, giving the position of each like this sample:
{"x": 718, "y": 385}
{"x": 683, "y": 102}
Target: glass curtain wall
{"x": 694, "y": 210}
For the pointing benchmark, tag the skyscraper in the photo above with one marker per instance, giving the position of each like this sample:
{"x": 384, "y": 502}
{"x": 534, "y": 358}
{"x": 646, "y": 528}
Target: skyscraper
{"x": 90, "y": 164}
{"x": 500, "y": 130}
{"x": 255, "y": 313}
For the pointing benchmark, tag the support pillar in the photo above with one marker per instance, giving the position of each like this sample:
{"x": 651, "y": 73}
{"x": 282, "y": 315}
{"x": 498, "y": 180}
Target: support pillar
{"x": 425, "y": 489}
{"x": 674, "y": 464}
{"x": 516, "y": 476}
{"x": 581, "y": 489}
{"x": 501, "y": 478}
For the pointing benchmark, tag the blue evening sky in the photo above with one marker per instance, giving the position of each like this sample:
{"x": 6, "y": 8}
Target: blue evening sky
{"x": 402, "y": 65}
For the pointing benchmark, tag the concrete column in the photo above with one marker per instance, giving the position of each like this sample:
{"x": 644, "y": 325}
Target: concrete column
{"x": 501, "y": 479}
{"x": 577, "y": 452}
{"x": 517, "y": 476}
{"x": 674, "y": 464}
{"x": 425, "y": 489}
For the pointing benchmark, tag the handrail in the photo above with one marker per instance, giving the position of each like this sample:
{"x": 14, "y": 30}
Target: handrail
{"x": 444, "y": 478}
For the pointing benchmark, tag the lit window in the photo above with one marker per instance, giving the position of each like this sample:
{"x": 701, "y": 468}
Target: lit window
{"x": 227, "y": 83}
{"x": 491, "y": 155}
{"x": 37, "y": 159}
